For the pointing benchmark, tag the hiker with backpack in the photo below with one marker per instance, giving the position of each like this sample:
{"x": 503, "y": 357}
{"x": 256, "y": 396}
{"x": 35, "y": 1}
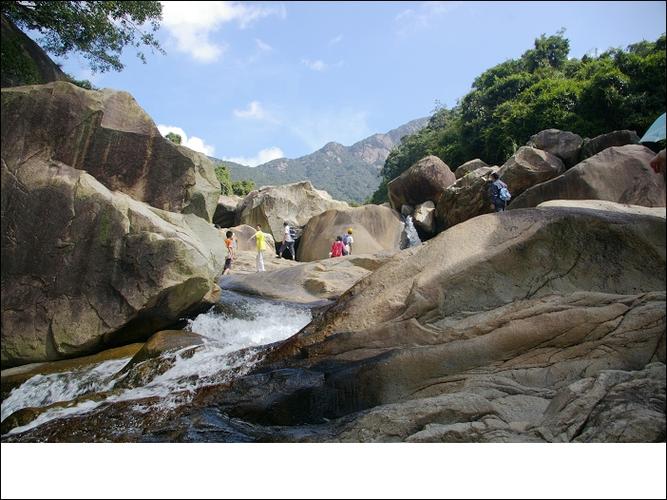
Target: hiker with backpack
{"x": 347, "y": 242}
{"x": 498, "y": 193}
{"x": 288, "y": 241}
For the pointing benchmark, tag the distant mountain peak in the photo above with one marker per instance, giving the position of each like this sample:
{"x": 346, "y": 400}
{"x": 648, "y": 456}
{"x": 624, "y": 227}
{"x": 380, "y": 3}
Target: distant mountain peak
{"x": 332, "y": 145}
{"x": 348, "y": 173}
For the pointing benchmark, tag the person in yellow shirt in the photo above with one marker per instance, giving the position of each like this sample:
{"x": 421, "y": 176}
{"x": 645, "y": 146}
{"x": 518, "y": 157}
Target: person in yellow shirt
{"x": 260, "y": 240}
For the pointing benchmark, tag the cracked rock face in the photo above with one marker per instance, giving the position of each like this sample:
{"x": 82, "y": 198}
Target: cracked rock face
{"x": 108, "y": 135}
{"x": 527, "y": 326}
{"x": 84, "y": 268}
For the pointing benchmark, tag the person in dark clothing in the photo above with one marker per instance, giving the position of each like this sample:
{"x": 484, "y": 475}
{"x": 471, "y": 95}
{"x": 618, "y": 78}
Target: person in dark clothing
{"x": 495, "y": 193}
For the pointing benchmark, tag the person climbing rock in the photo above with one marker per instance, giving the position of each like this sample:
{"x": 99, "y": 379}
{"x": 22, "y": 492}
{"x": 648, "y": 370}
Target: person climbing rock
{"x": 498, "y": 193}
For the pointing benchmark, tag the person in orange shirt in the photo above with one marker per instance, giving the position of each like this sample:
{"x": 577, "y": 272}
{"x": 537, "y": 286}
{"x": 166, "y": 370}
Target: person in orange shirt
{"x": 231, "y": 255}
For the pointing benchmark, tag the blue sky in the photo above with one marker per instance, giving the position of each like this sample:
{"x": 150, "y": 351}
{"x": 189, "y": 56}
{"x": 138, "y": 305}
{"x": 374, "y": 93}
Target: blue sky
{"x": 254, "y": 81}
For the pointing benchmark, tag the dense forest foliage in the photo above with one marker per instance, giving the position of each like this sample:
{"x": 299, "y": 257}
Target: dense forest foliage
{"x": 229, "y": 187}
{"x": 619, "y": 89}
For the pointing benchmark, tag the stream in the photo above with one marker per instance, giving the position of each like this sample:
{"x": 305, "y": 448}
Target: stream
{"x": 234, "y": 331}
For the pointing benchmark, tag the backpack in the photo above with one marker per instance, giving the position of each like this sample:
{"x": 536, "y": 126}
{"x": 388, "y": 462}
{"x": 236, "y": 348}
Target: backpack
{"x": 346, "y": 239}
{"x": 504, "y": 194}
{"x": 292, "y": 233}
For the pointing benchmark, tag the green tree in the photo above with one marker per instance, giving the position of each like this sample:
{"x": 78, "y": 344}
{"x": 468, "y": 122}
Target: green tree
{"x": 620, "y": 89}
{"x": 173, "y": 137}
{"x": 242, "y": 188}
{"x": 97, "y": 30}
{"x": 222, "y": 173}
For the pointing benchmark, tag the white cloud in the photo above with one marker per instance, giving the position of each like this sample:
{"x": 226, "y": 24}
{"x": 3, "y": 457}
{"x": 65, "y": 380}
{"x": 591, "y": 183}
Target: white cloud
{"x": 255, "y": 111}
{"x": 319, "y": 65}
{"x": 263, "y": 156}
{"x": 193, "y": 142}
{"x": 344, "y": 126}
{"x": 314, "y": 65}
{"x": 263, "y": 46}
{"x": 423, "y": 15}
{"x": 191, "y": 23}
{"x": 335, "y": 40}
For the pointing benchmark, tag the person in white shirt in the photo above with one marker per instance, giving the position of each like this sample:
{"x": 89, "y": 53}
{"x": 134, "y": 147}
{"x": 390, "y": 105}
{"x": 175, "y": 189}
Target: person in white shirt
{"x": 347, "y": 242}
{"x": 288, "y": 241}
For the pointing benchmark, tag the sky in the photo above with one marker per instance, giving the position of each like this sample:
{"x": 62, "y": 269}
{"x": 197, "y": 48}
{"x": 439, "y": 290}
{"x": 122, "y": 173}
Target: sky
{"x": 254, "y": 81}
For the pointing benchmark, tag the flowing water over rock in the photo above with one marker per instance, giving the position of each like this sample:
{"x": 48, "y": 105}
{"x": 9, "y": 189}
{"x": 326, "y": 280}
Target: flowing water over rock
{"x": 412, "y": 238}
{"x": 233, "y": 331}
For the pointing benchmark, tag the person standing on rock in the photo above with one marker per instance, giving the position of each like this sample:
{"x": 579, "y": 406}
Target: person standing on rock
{"x": 498, "y": 193}
{"x": 231, "y": 255}
{"x": 288, "y": 241}
{"x": 347, "y": 242}
{"x": 260, "y": 240}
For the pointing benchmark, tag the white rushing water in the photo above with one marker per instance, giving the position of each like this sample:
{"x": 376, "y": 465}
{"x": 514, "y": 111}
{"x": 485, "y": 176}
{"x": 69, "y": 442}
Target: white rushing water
{"x": 411, "y": 232}
{"x": 237, "y": 323}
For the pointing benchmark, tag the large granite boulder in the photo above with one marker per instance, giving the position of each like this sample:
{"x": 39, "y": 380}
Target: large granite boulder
{"x": 591, "y": 147}
{"x": 619, "y": 174}
{"x": 295, "y": 203}
{"x": 498, "y": 259}
{"x": 225, "y": 212}
{"x": 469, "y": 166}
{"x": 508, "y": 327}
{"x": 565, "y": 145}
{"x": 108, "y": 135}
{"x": 529, "y": 166}
{"x": 423, "y": 181}
{"x": 465, "y": 199}
{"x": 85, "y": 268}
{"x": 424, "y": 215}
{"x": 608, "y": 206}
{"x": 374, "y": 229}
{"x": 308, "y": 282}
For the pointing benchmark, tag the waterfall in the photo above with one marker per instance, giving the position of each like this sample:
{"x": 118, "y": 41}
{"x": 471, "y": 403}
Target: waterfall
{"x": 411, "y": 236}
{"x": 236, "y": 323}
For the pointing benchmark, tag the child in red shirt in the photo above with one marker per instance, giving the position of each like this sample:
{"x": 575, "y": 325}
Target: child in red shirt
{"x": 337, "y": 247}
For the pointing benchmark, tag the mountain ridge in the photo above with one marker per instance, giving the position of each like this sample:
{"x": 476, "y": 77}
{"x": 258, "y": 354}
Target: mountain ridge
{"x": 348, "y": 173}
